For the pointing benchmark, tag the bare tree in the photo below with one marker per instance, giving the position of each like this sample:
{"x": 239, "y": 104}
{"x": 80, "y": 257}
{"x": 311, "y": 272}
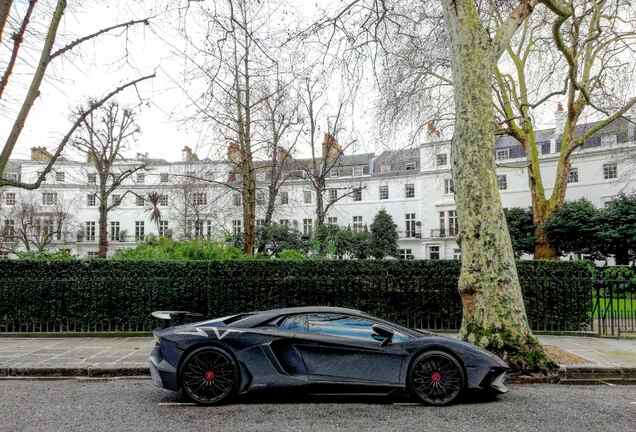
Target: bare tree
{"x": 47, "y": 53}
{"x": 102, "y": 139}
{"x": 578, "y": 53}
{"x": 326, "y": 154}
{"x": 33, "y": 227}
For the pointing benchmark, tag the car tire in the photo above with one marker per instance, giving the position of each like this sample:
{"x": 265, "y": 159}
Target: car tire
{"x": 209, "y": 376}
{"x": 436, "y": 378}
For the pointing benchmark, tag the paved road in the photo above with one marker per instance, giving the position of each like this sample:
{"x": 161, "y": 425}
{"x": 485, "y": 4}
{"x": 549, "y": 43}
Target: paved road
{"x": 135, "y": 405}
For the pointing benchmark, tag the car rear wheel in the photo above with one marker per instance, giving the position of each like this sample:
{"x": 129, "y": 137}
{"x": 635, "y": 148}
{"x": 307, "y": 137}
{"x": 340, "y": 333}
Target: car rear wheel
{"x": 436, "y": 378}
{"x": 209, "y": 376}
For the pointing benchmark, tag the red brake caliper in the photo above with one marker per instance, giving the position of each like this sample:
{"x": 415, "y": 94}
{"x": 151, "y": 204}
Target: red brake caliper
{"x": 209, "y": 375}
{"x": 436, "y": 377}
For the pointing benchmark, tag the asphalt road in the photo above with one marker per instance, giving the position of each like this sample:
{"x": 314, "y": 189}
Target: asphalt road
{"x": 135, "y": 405}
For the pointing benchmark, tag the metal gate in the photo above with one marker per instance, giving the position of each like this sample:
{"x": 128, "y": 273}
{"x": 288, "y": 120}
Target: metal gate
{"x": 614, "y": 307}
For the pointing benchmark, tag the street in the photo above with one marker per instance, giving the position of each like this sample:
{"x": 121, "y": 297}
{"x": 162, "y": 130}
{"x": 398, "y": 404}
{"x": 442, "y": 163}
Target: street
{"x": 135, "y": 405}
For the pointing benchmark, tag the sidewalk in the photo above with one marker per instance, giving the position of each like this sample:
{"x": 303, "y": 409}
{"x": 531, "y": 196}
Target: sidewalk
{"x": 583, "y": 359}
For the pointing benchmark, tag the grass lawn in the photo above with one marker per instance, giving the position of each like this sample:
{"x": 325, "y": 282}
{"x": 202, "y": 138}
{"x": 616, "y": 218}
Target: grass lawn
{"x": 625, "y": 307}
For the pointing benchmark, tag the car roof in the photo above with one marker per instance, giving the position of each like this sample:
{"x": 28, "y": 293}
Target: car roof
{"x": 255, "y": 318}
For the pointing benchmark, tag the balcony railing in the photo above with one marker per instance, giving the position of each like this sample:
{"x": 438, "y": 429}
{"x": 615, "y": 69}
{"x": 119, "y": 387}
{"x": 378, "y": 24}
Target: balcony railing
{"x": 442, "y": 233}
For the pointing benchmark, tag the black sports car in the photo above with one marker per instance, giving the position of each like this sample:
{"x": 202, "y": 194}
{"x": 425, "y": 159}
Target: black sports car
{"x": 321, "y": 349}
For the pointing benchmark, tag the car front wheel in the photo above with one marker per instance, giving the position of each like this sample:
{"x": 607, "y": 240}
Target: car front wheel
{"x": 436, "y": 378}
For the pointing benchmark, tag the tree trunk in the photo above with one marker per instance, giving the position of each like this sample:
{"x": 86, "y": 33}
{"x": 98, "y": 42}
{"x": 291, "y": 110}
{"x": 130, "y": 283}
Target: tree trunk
{"x": 271, "y": 205}
{"x": 103, "y": 226}
{"x": 543, "y": 249}
{"x": 494, "y": 312}
{"x": 622, "y": 256}
{"x": 249, "y": 207}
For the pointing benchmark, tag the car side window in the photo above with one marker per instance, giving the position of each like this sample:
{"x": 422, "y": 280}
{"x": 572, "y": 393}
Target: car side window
{"x": 296, "y": 323}
{"x": 345, "y": 326}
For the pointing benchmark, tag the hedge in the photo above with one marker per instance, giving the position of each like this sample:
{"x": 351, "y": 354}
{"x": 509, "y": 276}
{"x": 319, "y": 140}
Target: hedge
{"x": 100, "y": 295}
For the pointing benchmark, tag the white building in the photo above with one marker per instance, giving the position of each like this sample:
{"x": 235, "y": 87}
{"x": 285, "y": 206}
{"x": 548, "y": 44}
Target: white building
{"x": 413, "y": 185}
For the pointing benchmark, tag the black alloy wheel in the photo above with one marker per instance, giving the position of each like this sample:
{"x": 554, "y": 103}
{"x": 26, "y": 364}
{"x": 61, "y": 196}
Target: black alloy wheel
{"x": 209, "y": 376}
{"x": 436, "y": 378}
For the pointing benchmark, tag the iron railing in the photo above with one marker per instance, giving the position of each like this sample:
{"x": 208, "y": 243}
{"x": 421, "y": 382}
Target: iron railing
{"x": 614, "y": 307}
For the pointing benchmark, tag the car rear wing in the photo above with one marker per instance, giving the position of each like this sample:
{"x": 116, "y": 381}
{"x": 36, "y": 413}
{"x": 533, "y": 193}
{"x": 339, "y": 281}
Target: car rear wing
{"x": 172, "y": 318}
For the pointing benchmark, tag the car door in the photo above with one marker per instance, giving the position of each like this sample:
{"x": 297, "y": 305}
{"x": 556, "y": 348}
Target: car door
{"x": 338, "y": 347}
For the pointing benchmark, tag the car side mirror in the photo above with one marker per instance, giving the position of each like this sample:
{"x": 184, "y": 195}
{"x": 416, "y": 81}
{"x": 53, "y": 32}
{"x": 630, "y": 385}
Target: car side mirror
{"x": 385, "y": 333}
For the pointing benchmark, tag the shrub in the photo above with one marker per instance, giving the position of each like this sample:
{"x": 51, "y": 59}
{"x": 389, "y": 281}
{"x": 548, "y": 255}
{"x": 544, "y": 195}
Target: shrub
{"x": 98, "y": 295}
{"x": 291, "y": 255}
{"x": 166, "y": 249}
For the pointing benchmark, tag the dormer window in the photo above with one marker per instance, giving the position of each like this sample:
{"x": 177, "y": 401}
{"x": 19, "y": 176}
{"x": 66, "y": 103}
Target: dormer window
{"x": 503, "y": 154}
{"x": 441, "y": 159}
{"x": 410, "y": 166}
{"x": 608, "y": 140}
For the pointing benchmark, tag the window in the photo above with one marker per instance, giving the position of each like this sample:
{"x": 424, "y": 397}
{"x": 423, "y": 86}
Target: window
{"x": 573, "y": 175}
{"x": 503, "y": 154}
{"x": 89, "y": 232}
{"x": 457, "y": 254}
{"x": 284, "y": 222}
{"x": 307, "y": 197}
{"x": 453, "y": 225}
{"x": 49, "y": 198}
{"x": 333, "y": 195}
{"x": 410, "y": 166}
{"x": 337, "y": 325}
{"x": 449, "y": 186}
{"x": 385, "y": 168}
{"x": 9, "y": 198}
{"x": 357, "y": 224}
{"x": 608, "y": 140}
{"x": 260, "y": 223}
{"x": 384, "y": 192}
{"x": 114, "y": 230}
{"x": 163, "y": 229}
{"x": 332, "y": 220}
{"x": 91, "y": 200}
{"x": 284, "y": 197}
{"x": 260, "y": 197}
{"x": 140, "y": 230}
{"x": 199, "y": 228}
{"x": 60, "y": 177}
{"x": 164, "y": 177}
{"x": 610, "y": 171}
{"x": 117, "y": 199}
{"x": 502, "y": 182}
{"x": 441, "y": 159}
{"x": 141, "y": 178}
{"x": 236, "y": 227}
{"x": 358, "y": 171}
{"x": 406, "y": 254}
{"x": 9, "y": 229}
{"x": 199, "y": 198}
{"x": 92, "y": 254}
{"x": 433, "y": 252}
{"x": 92, "y": 178}
{"x": 545, "y": 147}
{"x": 163, "y": 200}
{"x": 307, "y": 227}
{"x": 139, "y": 201}
{"x": 236, "y": 199}
{"x": 357, "y": 194}
{"x": 410, "y": 225}
{"x": 333, "y": 172}
{"x": 12, "y": 176}
{"x": 442, "y": 224}
{"x": 409, "y": 190}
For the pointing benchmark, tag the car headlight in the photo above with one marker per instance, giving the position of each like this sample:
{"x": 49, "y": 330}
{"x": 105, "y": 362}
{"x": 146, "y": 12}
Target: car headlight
{"x": 157, "y": 339}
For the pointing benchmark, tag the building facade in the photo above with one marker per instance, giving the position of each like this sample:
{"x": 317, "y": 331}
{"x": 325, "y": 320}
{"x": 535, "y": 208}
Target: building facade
{"x": 415, "y": 186}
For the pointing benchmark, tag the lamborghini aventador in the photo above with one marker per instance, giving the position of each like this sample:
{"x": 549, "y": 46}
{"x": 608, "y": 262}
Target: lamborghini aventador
{"x": 320, "y": 350}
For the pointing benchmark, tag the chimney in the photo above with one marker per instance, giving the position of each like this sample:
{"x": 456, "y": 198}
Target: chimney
{"x": 559, "y": 119}
{"x": 433, "y": 134}
{"x": 234, "y": 153}
{"x": 40, "y": 154}
{"x": 330, "y": 148}
{"x": 186, "y": 154}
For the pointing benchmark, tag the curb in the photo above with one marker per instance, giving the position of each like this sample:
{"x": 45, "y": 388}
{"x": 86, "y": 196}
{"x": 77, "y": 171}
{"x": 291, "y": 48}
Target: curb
{"x": 567, "y": 375}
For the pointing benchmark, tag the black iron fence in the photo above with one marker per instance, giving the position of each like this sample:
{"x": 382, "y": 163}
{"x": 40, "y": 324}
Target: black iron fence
{"x": 100, "y": 295}
{"x": 614, "y": 306}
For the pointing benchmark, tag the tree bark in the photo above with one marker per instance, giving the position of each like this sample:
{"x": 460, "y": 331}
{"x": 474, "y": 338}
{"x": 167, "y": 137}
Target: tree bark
{"x": 103, "y": 225}
{"x": 494, "y": 312}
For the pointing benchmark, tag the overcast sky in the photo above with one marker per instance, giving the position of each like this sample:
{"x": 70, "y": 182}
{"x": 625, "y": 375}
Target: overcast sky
{"x": 110, "y": 60}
